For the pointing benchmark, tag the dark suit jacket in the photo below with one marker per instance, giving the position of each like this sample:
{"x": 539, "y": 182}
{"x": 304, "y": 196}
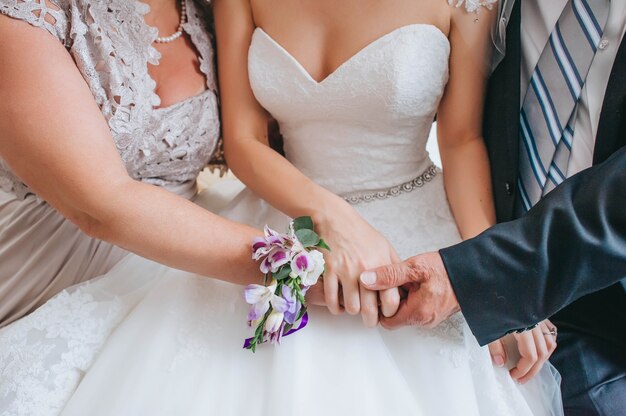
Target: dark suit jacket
{"x": 570, "y": 244}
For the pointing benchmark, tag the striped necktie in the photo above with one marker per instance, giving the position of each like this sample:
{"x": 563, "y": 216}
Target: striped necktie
{"x": 548, "y": 115}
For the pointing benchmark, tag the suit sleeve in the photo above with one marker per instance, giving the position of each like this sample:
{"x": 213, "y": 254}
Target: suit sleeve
{"x": 570, "y": 244}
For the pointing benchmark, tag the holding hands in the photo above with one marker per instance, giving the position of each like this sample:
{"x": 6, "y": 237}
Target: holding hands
{"x": 416, "y": 292}
{"x": 356, "y": 246}
{"x": 428, "y": 299}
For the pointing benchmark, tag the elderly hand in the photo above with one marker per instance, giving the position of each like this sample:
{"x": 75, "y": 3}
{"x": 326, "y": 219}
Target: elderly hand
{"x": 430, "y": 298}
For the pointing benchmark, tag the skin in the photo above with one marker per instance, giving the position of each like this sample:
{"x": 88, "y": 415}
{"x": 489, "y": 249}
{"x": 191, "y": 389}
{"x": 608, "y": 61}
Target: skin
{"x": 322, "y": 35}
{"x": 56, "y": 140}
{"x": 430, "y": 299}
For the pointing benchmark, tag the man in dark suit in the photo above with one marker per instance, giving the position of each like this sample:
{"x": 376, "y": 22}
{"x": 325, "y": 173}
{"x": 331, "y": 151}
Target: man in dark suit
{"x": 557, "y": 146}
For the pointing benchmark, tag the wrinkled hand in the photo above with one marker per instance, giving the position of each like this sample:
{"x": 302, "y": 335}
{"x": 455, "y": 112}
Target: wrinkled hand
{"x": 430, "y": 298}
{"x": 535, "y": 347}
{"x": 356, "y": 246}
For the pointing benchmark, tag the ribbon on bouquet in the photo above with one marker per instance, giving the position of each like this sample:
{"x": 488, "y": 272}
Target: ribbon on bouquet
{"x": 303, "y": 322}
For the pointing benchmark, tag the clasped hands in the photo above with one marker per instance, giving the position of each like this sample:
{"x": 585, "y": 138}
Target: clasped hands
{"x": 418, "y": 292}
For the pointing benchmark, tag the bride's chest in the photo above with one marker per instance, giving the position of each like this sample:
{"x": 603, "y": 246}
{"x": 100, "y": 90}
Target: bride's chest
{"x": 400, "y": 75}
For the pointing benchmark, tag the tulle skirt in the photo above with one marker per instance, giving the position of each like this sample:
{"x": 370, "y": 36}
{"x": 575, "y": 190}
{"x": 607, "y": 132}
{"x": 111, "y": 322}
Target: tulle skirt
{"x": 145, "y": 339}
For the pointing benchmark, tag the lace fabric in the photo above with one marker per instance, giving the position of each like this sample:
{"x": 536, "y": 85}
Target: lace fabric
{"x": 473, "y": 6}
{"x": 44, "y": 356}
{"x": 112, "y": 47}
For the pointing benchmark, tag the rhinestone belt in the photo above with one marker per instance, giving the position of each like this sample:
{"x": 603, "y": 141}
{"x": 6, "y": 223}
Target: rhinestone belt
{"x": 404, "y": 188}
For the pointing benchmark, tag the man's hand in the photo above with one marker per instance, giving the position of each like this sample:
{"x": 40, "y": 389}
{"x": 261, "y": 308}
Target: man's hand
{"x": 429, "y": 299}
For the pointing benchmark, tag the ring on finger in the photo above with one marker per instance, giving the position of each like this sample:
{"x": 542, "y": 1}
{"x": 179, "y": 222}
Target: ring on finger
{"x": 552, "y": 331}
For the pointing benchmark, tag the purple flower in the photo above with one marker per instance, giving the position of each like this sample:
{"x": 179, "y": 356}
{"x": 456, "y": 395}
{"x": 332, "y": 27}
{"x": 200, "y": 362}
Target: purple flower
{"x": 275, "y": 238}
{"x": 309, "y": 266}
{"x": 272, "y": 250}
{"x": 275, "y": 260}
{"x": 260, "y": 297}
{"x": 277, "y": 336}
{"x": 260, "y": 248}
{"x": 293, "y": 305}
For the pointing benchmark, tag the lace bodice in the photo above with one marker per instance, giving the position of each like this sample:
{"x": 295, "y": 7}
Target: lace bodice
{"x": 371, "y": 117}
{"x": 112, "y": 47}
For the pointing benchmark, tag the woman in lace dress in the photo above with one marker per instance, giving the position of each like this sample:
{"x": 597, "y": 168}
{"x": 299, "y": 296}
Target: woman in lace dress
{"x": 146, "y": 339}
{"x": 104, "y": 128}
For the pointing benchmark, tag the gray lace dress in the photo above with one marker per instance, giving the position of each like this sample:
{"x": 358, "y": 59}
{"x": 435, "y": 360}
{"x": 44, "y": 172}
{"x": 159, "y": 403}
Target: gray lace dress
{"x": 42, "y": 253}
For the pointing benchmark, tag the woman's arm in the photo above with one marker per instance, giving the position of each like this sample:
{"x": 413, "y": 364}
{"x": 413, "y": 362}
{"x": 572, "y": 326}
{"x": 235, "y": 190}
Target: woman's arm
{"x": 245, "y": 124}
{"x": 459, "y": 122}
{"x": 355, "y": 244}
{"x": 54, "y": 137}
{"x": 466, "y": 165}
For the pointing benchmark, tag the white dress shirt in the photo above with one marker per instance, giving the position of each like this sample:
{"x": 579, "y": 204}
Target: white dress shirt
{"x": 538, "y": 19}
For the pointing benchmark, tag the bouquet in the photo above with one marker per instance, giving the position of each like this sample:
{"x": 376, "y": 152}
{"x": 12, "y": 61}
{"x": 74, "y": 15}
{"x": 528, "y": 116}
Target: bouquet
{"x": 291, "y": 263}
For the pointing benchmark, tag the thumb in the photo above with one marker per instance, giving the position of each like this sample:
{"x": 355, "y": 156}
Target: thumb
{"x": 386, "y": 277}
{"x": 498, "y": 353}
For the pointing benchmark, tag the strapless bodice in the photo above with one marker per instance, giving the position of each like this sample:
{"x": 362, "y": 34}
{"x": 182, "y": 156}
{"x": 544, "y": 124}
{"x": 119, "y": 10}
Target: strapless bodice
{"x": 365, "y": 126}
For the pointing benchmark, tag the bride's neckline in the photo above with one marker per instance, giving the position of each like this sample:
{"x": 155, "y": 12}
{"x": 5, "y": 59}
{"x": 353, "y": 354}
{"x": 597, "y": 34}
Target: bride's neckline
{"x": 360, "y": 52}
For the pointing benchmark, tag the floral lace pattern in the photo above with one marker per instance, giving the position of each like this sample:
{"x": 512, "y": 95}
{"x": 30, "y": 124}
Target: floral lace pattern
{"x": 112, "y": 47}
{"x": 49, "y": 15}
{"x": 473, "y": 6}
{"x": 45, "y": 355}
{"x": 35, "y": 385}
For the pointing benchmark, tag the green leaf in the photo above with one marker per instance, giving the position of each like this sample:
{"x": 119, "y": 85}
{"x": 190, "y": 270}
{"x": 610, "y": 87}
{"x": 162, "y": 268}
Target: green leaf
{"x": 303, "y": 223}
{"x": 301, "y": 297}
{"x": 322, "y": 244}
{"x": 308, "y": 238}
{"x": 282, "y": 273}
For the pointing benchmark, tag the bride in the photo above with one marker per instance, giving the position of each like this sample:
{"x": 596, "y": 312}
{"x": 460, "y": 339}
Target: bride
{"x": 355, "y": 86}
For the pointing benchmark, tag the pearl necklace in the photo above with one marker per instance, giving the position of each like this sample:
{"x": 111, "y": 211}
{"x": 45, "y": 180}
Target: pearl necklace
{"x": 179, "y": 31}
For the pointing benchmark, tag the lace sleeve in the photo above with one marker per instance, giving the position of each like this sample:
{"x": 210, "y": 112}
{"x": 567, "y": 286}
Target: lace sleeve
{"x": 473, "y": 6}
{"x": 46, "y": 14}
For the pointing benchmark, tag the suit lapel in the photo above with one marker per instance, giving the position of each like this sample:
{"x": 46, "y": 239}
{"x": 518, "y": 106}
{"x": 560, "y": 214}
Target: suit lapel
{"x": 514, "y": 47}
{"x": 501, "y": 119}
{"x": 612, "y": 127}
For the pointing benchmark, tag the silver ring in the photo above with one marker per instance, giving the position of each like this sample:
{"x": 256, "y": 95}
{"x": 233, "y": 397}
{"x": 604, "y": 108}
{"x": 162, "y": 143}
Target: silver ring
{"x": 552, "y": 332}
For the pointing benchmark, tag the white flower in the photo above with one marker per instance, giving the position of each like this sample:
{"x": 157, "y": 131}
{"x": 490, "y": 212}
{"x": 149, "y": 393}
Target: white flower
{"x": 260, "y": 297}
{"x": 274, "y": 322}
{"x": 309, "y": 266}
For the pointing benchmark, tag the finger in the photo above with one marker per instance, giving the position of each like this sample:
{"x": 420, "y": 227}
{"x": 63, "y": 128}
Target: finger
{"x": 369, "y": 307}
{"x": 528, "y": 354}
{"x": 400, "y": 319}
{"x": 389, "y": 301}
{"x": 351, "y": 296}
{"x": 390, "y": 276}
{"x": 542, "y": 354}
{"x": 498, "y": 353}
{"x": 551, "y": 340}
{"x": 331, "y": 293}
{"x": 315, "y": 295}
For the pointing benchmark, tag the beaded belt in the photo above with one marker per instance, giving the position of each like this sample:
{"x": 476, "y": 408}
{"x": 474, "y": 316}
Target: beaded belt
{"x": 404, "y": 188}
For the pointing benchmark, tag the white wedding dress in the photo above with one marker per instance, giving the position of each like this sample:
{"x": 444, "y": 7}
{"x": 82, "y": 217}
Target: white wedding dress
{"x": 148, "y": 340}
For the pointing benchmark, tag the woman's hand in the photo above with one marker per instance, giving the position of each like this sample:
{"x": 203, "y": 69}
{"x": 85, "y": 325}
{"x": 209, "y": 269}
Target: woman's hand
{"x": 356, "y": 246}
{"x": 534, "y": 346}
